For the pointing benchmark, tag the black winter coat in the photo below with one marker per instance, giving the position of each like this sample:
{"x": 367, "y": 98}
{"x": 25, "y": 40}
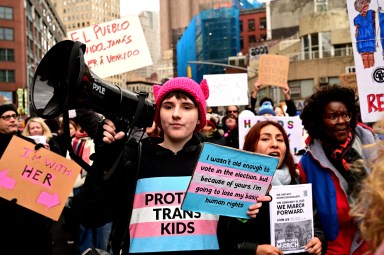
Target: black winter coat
{"x": 108, "y": 192}
{"x": 22, "y": 230}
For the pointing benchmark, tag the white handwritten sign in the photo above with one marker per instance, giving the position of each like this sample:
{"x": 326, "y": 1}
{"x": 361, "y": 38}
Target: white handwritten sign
{"x": 227, "y": 89}
{"x": 114, "y": 47}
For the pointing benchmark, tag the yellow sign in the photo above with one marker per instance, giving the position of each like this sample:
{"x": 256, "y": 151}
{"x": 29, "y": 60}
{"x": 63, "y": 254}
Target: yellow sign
{"x": 40, "y": 180}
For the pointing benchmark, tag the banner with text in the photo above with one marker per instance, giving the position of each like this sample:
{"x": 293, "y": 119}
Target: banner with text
{"x": 291, "y": 217}
{"x": 40, "y": 180}
{"x": 114, "y": 47}
{"x": 227, "y": 89}
{"x": 367, "y": 32}
{"x": 227, "y": 181}
{"x": 292, "y": 126}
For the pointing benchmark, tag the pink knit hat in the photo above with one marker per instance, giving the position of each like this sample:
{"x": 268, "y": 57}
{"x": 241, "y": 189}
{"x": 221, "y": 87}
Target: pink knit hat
{"x": 198, "y": 92}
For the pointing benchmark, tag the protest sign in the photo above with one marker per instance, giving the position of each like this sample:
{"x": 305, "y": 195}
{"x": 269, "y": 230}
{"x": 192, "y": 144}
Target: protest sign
{"x": 227, "y": 89}
{"x": 291, "y": 216}
{"x": 366, "y": 28}
{"x": 39, "y": 138}
{"x": 273, "y": 70}
{"x": 40, "y": 180}
{"x": 292, "y": 126}
{"x": 114, "y": 47}
{"x": 227, "y": 181}
{"x": 348, "y": 80}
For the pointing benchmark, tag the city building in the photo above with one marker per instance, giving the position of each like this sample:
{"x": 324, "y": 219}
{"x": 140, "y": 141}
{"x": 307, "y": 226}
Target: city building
{"x": 316, "y": 38}
{"x": 253, "y": 28}
{"x": 175, "y": 17}
{"x": 211, "y": 37}
{"x": 28, "y": 29}
{"x": 151, "y": 29}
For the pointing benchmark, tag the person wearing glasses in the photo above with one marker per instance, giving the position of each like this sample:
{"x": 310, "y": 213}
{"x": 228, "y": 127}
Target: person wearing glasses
{"x": 335, "y": 141}
{"x": 22, "y": 230}
{"x": 232, "y": 110}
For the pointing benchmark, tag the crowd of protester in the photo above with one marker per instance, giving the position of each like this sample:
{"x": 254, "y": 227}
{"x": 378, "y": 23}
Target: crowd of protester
{"x": 339, "y": 160}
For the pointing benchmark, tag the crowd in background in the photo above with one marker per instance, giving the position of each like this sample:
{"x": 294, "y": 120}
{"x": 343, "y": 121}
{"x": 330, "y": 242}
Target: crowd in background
{"x": 337, "y": 140}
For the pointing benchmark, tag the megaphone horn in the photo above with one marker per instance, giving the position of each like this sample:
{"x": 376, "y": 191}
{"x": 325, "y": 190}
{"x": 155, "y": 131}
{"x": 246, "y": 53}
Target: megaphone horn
{"x": 63, "y": 81}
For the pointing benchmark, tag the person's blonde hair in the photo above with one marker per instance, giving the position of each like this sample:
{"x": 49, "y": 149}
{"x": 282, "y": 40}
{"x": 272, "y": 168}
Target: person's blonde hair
{"x": 369, "y": 207}
{"x": 46, "y": 131}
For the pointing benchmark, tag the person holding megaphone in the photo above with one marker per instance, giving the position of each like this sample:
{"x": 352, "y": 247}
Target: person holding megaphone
{"x": 140, "y": 187}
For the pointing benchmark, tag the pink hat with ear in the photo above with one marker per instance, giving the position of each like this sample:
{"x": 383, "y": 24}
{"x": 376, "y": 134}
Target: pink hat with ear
{"x": 199, "y": 93}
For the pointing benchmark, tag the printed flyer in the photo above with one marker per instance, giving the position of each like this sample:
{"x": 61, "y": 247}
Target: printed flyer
{"x": 291, "y": 217}
{"x": 227, "y": 181}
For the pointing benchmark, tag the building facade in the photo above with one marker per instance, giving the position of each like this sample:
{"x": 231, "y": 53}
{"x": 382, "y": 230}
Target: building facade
{"x": 151, "y": 29}
{"x": 175, "y": 17}
{"x": 317, "y": 42}
{"x": 28, "y": 29}
{"x": 253, "y": 28}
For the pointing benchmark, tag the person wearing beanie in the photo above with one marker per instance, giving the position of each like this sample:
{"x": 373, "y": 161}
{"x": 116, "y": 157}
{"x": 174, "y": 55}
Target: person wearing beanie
{"x": 266, "y": 109}
{"x": 146, "y": 188}
{"x": 18, "y": 224}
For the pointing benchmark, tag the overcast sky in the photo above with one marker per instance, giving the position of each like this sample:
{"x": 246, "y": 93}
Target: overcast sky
{"x": 128, "y": 7}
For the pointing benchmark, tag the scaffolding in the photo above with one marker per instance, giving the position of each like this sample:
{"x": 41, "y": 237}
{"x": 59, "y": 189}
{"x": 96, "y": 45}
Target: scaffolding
{"x": 212, "y": 36}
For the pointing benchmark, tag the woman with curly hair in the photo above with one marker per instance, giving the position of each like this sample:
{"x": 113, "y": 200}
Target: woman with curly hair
{"x": 335, "y": 140}
{"x": 371, "y": 221}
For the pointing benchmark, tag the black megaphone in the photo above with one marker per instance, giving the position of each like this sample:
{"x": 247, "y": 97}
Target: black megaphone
{"x": 63, "y": 81}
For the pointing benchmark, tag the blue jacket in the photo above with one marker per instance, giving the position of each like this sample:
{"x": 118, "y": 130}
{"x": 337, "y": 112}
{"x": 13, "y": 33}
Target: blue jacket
{"x": 315, "y": 168}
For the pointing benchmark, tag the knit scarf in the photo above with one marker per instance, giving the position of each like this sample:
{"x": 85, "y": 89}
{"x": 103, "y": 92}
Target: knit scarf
{"x": 281, "y": 177}
{"x": 338, "y": 153}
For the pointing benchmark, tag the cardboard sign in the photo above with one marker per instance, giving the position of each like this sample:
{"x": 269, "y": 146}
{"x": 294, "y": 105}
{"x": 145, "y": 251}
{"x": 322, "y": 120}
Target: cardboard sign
{"x": 292, "y": 126}
{"x": 40, "y": 180}
{"x": 366, "y": 29}
{"x": 348, "y": 80}
{"x": 273, "y": 70}
{"x": 227, "y": 89}
{"x": 227, "y": 181}
{"x": 114, "y": 47}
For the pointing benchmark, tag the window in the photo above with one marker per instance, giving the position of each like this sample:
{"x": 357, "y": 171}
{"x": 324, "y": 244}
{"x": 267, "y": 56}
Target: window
{"x": 7, "y": 76}
{"x": 251, "y": 25}
{"x": 6, "y": 34}
{"x": 263, "y": 23}
{"x": 7, "y": 55}
{"x": 6, "y": 13}
{"x": 321, "y": 5}
{"x": 241, "y": 26}
{"x": 252, "y": 38}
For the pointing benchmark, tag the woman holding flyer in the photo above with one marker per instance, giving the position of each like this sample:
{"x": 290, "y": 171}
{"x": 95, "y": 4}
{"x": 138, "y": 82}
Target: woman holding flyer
{"x": 254, "y": 237}
{"x": 335, "y": 141}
